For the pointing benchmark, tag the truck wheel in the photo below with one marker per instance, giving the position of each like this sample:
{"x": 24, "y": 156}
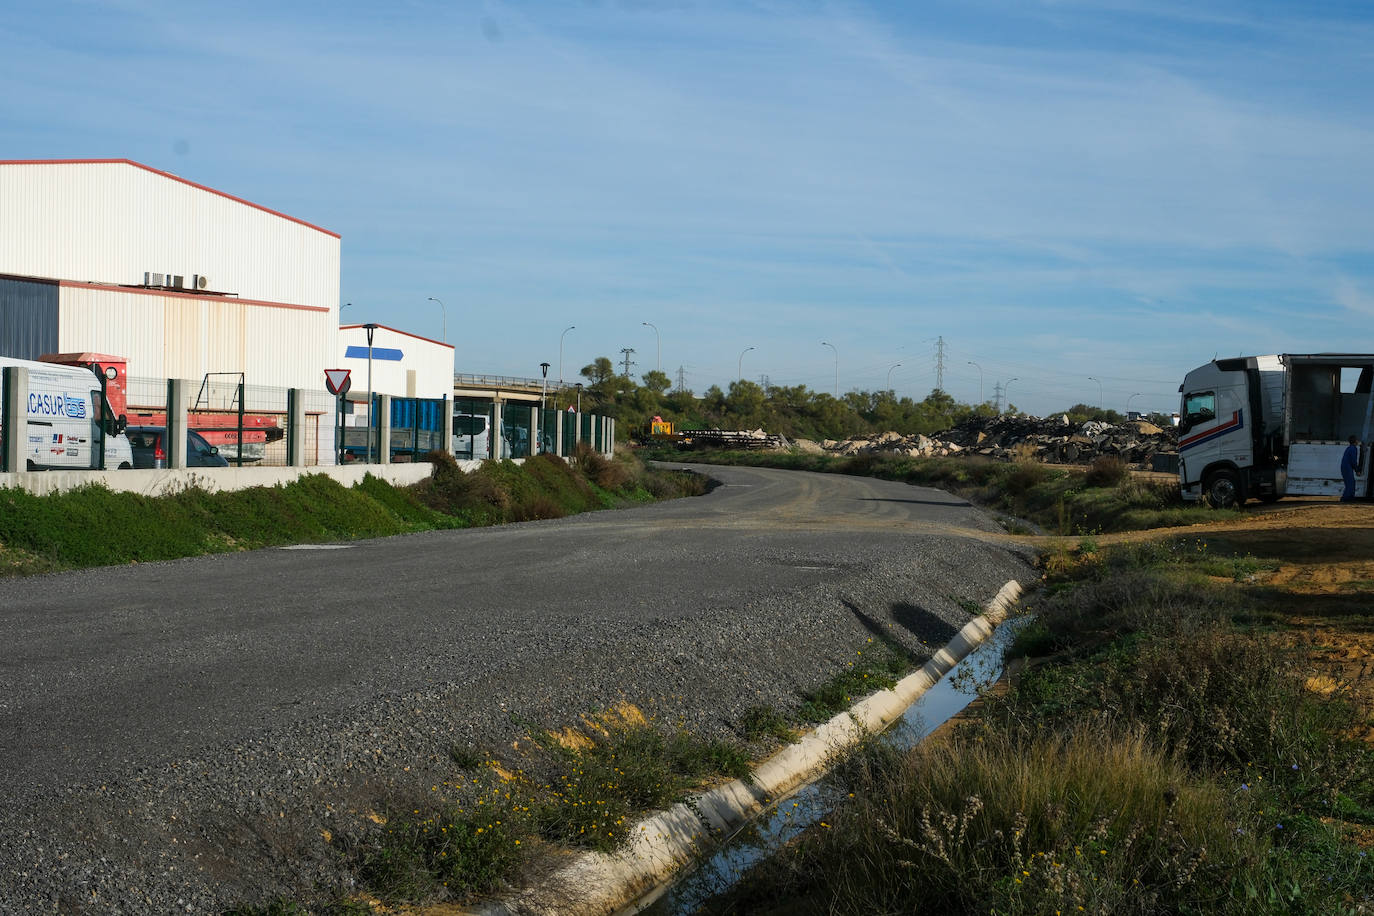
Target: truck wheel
{"x": 1222, "y": 490}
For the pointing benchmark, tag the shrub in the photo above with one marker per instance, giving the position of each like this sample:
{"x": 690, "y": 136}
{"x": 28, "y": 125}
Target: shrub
{"x": 1024, "y": 476}
{"x": 446, "y": 855}
{"x": 456, "y": 492}
{"x": 765, "y": 722}
{"x": 1106, "y": 471}
{"x": 1088, "y": 823}
{"x": 627, "y": 769}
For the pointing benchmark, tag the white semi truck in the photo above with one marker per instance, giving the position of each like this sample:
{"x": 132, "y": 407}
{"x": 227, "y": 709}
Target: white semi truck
{"x": 1264, "y": 427}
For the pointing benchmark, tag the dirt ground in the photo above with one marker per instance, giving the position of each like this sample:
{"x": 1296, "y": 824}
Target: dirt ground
{"x": 1317, "y": 565}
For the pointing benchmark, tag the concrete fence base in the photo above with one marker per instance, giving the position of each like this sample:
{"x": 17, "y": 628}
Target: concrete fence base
{"x": 161, "y": 482}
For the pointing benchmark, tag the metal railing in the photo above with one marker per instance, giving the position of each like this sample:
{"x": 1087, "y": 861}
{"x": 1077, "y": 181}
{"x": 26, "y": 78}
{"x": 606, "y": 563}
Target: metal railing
{"x": 463, "y": 380}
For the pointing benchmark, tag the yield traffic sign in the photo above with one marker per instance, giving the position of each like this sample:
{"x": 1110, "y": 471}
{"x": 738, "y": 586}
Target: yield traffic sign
{"x": 337, "y": 381}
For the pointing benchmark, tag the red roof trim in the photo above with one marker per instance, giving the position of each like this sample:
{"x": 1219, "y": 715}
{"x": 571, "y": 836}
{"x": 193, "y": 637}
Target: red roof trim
{"x": 148, "y": 168}
{"x": 140, "y": 291}
{"x": 345, "y": 327}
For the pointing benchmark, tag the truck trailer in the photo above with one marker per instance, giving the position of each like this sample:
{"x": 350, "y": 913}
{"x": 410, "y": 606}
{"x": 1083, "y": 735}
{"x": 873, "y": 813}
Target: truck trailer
{"x": 1265, "y": 427}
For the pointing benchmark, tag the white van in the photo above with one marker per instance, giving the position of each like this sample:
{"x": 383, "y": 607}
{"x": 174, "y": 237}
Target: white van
{"x": 69, "y": 421}
{"x": 471, "y": 436}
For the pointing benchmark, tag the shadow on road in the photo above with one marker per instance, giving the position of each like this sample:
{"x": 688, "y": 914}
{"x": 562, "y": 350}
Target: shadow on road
{"x": 925, "y": 626}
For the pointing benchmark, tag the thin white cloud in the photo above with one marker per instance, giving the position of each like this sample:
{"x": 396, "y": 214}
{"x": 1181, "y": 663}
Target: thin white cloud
{"x": 1351, "y": 297}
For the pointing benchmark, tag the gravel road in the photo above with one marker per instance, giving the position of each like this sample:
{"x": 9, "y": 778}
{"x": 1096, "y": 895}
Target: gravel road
{"x": 180, "y": 737}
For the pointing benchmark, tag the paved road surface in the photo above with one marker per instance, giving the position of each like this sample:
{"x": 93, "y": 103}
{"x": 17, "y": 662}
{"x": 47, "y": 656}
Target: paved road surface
{"x": 183, "y": 686}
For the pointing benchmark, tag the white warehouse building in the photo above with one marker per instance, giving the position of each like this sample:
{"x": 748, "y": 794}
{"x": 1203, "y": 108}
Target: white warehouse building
{"x": 115, "y": 257}
{"x": 403, "y": 365}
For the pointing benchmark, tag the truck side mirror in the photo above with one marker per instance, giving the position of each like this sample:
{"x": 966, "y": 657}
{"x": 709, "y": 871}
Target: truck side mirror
{"x": 121, "y": 424}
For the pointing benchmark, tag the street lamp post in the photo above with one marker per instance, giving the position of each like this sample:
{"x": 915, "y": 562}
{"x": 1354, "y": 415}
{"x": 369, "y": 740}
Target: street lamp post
{"x": 371, "y": 414}
{"x": 889, "y": 376}
{"x": 1006, "y": 389}
{"x": 1099, "y": 389}
{"x": 980, "y": 379}
{"x": 1128, "y": 400}
{"x": 658, "y": 341}
{"x": 560, "y": 352}
{"x": 739, "y": 369}
{"x": 579, "y": 397}
{"x": 544, "y": 394}
{"x": 837, "y": 366}
{"x": 341, "y": 308}
{"x": 445, "y": 314}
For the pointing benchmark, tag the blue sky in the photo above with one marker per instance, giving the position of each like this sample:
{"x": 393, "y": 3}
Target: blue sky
{"x": 1066, "y": 192}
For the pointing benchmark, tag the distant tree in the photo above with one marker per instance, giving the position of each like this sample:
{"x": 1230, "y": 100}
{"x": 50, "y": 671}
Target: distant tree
{"x": 599, "y": 370}
{"x": 1082, "y": 413}
{"x": 680, "y": 404}
{"x": 792, "y": 411}
{"x": 657, "y": 381}
{"x": 744, "y": 404}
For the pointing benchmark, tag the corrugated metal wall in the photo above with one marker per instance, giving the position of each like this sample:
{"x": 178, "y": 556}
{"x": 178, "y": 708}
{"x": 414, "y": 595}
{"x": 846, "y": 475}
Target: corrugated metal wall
{"x": 28, "y": 318}
{"x": 173, "y": 336}
{"x": 111, "y": 222}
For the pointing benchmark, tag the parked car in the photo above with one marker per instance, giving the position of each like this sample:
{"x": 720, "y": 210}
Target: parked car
{"x": 150, "y": 448}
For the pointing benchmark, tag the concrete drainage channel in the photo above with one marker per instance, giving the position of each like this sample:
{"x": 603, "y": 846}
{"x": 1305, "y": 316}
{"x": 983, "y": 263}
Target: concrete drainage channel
{"x": 670, "y": 842}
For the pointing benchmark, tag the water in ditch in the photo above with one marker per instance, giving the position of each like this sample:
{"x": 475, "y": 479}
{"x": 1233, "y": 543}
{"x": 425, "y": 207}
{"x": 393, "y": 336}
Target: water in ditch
{"x": 784, "y": 820}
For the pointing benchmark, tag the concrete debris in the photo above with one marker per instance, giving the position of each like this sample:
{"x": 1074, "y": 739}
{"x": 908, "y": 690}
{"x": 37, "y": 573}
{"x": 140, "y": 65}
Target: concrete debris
{"x": 1054, "y": 440}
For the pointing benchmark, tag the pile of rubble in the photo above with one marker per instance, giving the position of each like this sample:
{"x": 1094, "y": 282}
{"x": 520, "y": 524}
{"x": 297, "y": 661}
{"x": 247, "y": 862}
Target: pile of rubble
{"x": 1055, "y": 440}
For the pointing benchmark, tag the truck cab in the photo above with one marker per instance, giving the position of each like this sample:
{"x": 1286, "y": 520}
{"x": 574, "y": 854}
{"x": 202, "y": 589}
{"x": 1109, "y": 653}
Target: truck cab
{"x": 1266, "y": 426}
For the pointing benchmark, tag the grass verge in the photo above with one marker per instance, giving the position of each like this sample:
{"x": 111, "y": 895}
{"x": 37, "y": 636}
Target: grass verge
{"x": 1160, "y": 754}
{"x": 576, "y": 789}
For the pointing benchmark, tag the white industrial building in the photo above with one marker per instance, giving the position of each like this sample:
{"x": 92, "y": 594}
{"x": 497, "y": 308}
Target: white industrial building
{"x": 114, "y": 257}
{"x": 403, "y": 365}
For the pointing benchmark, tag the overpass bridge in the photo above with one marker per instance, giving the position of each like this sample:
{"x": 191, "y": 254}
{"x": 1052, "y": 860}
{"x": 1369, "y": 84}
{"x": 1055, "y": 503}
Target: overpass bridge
{"x": 508, "y": 388}
{"x": 531, "y": 414}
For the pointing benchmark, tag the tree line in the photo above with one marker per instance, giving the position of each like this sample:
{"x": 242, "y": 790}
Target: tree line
{"x": 793, "y": 411}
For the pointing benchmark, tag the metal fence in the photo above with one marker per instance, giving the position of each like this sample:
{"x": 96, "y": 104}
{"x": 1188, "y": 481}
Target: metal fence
{"x": 250, "y": 425}
{"x": 472, "y": 423}
{"x": 516, "y": 430}
{"x": 414, "y": 428}
{"x": 246, "y": 424}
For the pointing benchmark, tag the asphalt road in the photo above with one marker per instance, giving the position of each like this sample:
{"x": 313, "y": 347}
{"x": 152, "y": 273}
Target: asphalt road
{"x": 125, "y": 680}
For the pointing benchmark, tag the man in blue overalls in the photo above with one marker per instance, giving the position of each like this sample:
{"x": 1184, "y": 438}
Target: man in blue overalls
{"x": 1350, "y": 460}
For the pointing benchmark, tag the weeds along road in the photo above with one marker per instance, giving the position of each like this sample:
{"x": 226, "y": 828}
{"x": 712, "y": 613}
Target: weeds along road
{"x": 296, "y": 685}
